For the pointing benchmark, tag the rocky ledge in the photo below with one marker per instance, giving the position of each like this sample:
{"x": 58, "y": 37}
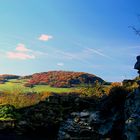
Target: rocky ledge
{"x": 107, "y": 123}
{"x": 117, "y": 117}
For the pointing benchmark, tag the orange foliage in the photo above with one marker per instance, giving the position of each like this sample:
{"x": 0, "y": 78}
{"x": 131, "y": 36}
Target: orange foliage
{"x": 23, "y": 100}
{"x": 114, "y": 84}
{"x": 63, "y": 78}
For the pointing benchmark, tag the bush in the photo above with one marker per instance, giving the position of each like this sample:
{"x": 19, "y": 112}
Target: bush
{"x": 95, "y": 89}
{"x": 130, "y": 85}
{"x": 8, "y": 112}
{"x": 44, "y": 95}
{"x": 23, "y": 99}
{"x": 29, "y": 85}
{"x": 20, "y": 100}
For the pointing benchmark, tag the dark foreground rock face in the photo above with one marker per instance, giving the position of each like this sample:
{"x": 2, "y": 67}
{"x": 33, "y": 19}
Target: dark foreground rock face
{"x": 78, "y": 126}
{"x": 132, "y": 116}
{"x": 106, "y": 122}
{"x": 114, "y": 123}
{"x": 132, "y": 111}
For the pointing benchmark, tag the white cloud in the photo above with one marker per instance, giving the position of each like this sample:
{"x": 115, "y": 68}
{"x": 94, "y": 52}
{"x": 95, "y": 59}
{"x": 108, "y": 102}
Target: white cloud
{"x": 21, "y": 52}
{"x": 45, "y": 37}
{"x": 60, "y": 64}
{"x": 20, "y": 55}
{"x": 21, "y": 48}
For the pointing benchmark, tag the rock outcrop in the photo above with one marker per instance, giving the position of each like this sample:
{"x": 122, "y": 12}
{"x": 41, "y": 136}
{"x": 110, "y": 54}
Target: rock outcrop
{"x": 43, "y": 119}
{"x": 137, "y": 65}
{"x": 114, "y": 123}
{"x": 116, "y": 118}
{"x": 104, "y": 122}
{"x": 132, "y": 116}
{"x": 132, "y": 111}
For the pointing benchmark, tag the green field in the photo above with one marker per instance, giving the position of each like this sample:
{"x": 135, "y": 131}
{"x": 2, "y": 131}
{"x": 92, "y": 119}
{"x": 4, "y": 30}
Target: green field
{"x": 14, "y": 92}
{"x": 17, "y": 86}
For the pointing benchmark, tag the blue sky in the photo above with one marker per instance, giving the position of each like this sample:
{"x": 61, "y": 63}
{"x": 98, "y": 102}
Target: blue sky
{"x": 75, "y": 35}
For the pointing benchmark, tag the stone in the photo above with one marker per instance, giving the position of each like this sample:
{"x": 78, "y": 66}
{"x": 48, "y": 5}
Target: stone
{"x": 23, "y": 123}
{"x": 84, "y": 114}
{"x": 137, "y": 65}
{"x": 74, "y": 114}
{"x": 54, "y": 99}
{"x": 94, "y": 117}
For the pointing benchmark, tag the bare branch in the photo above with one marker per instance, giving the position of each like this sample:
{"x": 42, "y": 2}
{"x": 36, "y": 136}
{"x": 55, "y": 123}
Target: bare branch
{"x": 137, "y": 31}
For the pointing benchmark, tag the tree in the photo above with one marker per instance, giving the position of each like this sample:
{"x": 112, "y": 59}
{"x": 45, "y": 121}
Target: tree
{"x": 136, "y": 29}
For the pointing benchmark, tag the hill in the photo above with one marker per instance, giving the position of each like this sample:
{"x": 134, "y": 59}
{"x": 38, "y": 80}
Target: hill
{"x": 5, "y": 77}
{"x": 63, "y": 78}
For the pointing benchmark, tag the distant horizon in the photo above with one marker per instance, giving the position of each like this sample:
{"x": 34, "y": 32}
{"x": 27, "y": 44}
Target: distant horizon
{"x": 90, "y": 36}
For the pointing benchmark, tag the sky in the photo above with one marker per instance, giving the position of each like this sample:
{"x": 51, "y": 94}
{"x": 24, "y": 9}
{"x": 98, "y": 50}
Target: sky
{"x": 74, "y": 35}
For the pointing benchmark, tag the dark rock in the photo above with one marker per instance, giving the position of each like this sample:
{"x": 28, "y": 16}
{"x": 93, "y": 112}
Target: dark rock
{"x": 137, "y": 65}
{"x": 76, "y": 127}
{"x": 132, "y": 116}
{"x": 54, "y": 99}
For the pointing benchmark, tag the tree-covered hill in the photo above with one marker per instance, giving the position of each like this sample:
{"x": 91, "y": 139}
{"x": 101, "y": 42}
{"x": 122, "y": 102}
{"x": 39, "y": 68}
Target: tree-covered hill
{"x": 63, "y": 78}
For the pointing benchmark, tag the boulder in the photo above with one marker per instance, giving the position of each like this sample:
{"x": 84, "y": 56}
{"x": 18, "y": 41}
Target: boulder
{"x": 77, "y": 127}
{"x": 137, "y": 65}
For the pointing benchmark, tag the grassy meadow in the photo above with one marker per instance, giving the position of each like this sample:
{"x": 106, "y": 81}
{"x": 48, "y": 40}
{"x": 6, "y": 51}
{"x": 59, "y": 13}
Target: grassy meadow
{"x": 17, "y": 87}
{"x": 15, "y": 93}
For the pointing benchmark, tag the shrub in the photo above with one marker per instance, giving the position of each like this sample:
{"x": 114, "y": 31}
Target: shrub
{"x": 95, "y": 89}
{"x": 44, "y": 95}
{"x": 20, "y": 100}
{"x": 114, "y": 84}
{"x": 23, "y": 99}
{"x": 130, "y": 85}
{"x": 8, "y": 112}
{"x": 29, "y": 85}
